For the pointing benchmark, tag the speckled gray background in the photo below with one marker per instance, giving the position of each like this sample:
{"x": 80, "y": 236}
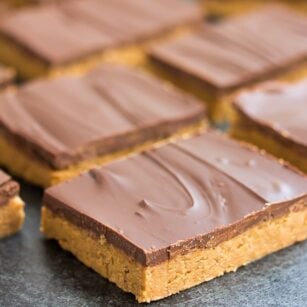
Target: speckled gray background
{"x": 35, "y": 272}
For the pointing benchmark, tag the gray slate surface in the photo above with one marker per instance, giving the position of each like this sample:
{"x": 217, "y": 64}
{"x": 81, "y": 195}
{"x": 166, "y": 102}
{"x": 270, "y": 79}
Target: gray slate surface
{"x": 35, "y": 272}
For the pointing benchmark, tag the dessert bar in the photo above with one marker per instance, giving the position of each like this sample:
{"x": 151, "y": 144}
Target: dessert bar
{"x": 11, "y": 206}
{"x": 222, "y": 58}
{"x": 274, "y": 117}
{"x": 74, "y": 36}
{"x": 51, "y": 130}
{"x": 171, "y": 218}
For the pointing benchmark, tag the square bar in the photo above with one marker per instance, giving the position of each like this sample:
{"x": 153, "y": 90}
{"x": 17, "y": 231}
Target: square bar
{"x": 51, "y": 130}
{"x": 171, "y": 218}
{"x": 74, "y": 36}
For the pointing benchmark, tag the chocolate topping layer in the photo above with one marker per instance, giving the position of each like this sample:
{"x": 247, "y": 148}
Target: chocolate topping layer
{"x": 238, "y": 51}
{"x": 195, "y": 193}
{"x": 8, "y": 188}
{"x": 74, "y": 29}
{"x": 71, "y": 119}
{"x": 278, "y": 107}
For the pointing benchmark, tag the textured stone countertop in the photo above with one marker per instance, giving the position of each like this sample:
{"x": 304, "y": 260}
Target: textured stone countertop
{"x": 36, "y": 272}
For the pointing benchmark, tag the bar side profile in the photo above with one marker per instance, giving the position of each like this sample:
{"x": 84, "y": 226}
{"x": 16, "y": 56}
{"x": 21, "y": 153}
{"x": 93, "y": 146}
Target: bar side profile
{"x": 32, "y": 170}
{"x": 11, "y": 217}
{"x": 11, "y": 207}
{"x": 183, "y": 271}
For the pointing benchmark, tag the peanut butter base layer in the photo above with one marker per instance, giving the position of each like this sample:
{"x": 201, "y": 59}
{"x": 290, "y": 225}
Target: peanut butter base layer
{"x": 11, "y": 217}
{"x": 29, "y": 66}
{"x": 150, "y": 283}
{"x": 21, "y": 164}
{"x": 218, "y": 105}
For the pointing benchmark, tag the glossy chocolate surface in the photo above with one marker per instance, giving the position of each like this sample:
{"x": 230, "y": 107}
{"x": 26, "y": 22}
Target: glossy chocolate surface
{"x": 70, "y": 30}
{"x": 8, "y": 188}
{"x": 195, "y": 193}
{"x": 279, "y": 107}
{"x": 238, "y": 51}
{"x": 71, "y": 119}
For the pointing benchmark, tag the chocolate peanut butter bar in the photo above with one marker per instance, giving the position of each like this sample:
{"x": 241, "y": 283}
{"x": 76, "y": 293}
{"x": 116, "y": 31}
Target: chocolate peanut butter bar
{"x": 11, "y": 206}
{"x": 76, "y": 35}
{"x": 273, "y": 116}
{"x": 222, "y": 58}
{"x": 171, "y": 218}
{"x": 51, "y": 130}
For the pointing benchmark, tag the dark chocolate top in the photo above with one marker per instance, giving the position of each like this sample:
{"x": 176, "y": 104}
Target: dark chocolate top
{"x": 279, "y": 107}
{"x": 238, "y": 51}
{"x": 70, "y": 119}
{"x": 195, "y": 193}
{"x": 7, "y": 75}
{"x": 75, "y": 29}
{"x": 8, "y": 188}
